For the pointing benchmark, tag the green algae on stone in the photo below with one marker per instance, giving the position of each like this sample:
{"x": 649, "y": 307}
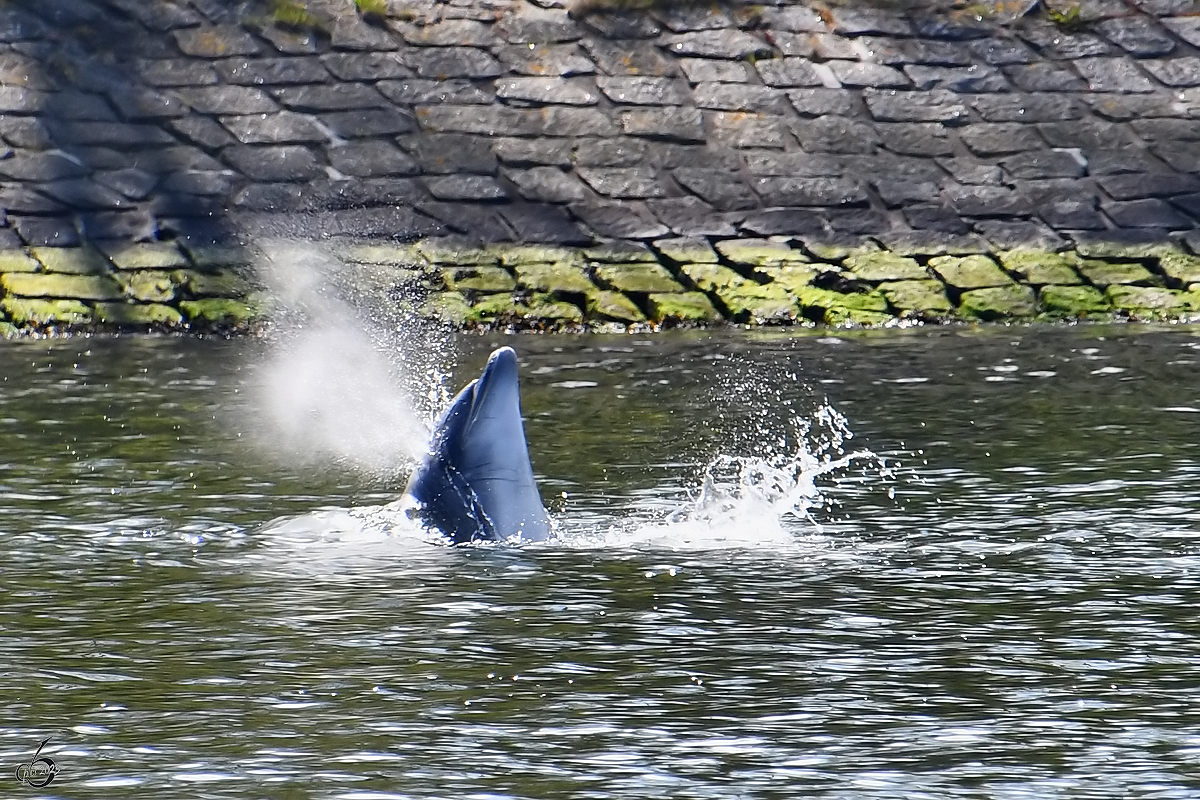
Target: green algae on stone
{"x": 760, "y": 253}
{"x": 72, "y": 260}
{"x": 74, "y": 287}
{"x": 385, "y": 254}
{"x": 620, "y": 253}
{"x": 857, "y": 316}
{"x": 219, "y": 284}
{"x": 792, "y": 277}
{"x": 46, "y": 312}
{"x": 1108, "y": 273}
{"x": 882, "y": 266}
{"x": 1040, "y": 267}
{"x": 759, "y": 303}
{"x": 687, "y": 250}
{"x": 209, "y": 257}
{"x": 1179, "y": 267}
{"x": 17, "y": 261}
{"x": 1147, "y": 298}
{"x": 147, "y": 256}
{"x": 826, "y": 299}
{"x": 453, "y": 253}
{"x": 712, "y": 277}
{"x": 151, "y": 286}
{"x": 218, "y": 312}
{"x": 479, "y": 279}
{"x": 1001, "y": 302}
{"x": 683, "y": 307}
{"x": 838, "y": 252}
{"x": 8, "y": 330}
{"x": 614, "y": 306}
{"x": 546, "y": 308}
{"x": 559, "y": 277}
{"x": 637, "y": 277}
{"x": 1073, "y": 301}
{"x": 138, "y": 314}
{"x": 517, "y": 254}
{"x": 969, "y": 272}
{"x": 450, "y": 307}
{"x": 920, "y": 296}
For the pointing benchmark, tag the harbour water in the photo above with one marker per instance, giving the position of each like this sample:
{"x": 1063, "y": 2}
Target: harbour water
{"x": 993, "y": 598}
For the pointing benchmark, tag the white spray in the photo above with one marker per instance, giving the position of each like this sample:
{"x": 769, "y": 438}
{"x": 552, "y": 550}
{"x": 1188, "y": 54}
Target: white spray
{"x": 352, "y": 385}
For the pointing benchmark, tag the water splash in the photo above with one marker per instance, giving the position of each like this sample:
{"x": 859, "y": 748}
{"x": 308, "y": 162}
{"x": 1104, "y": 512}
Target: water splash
{"x": 343, "y": 384}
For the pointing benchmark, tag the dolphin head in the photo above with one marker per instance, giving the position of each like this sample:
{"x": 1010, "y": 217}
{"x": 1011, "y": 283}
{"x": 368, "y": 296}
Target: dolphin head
{"x": 476, "y": 481}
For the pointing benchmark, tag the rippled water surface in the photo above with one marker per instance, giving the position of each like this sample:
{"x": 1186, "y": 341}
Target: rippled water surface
{"x": 1004, "y": 608}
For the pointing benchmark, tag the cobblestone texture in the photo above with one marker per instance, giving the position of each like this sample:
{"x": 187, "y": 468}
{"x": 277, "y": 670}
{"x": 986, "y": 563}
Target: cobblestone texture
{"x": 930, "y": 133}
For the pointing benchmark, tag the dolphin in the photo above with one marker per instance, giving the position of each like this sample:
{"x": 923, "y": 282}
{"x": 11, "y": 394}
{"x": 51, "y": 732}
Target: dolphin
{"x": 476, "y": 482}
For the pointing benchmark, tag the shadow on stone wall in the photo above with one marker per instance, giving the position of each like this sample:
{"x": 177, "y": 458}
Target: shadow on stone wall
{"x": 92, "y": 153}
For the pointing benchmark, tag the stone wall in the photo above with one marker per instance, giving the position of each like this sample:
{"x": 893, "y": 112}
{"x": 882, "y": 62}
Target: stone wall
{"x": 685, "y": 162}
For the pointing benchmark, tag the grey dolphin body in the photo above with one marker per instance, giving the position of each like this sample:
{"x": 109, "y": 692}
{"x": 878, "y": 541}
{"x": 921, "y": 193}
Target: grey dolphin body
{"x": 476, "y": 483}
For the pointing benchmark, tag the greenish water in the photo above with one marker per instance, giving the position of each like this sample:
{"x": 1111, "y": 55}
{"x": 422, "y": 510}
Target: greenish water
{"x": 1005, "y": 609}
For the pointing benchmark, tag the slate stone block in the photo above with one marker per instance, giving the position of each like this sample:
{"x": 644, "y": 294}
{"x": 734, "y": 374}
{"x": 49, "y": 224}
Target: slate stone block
{"x": 18, "y": 100}
{"x": 272, "y": 71}
{"x": 176, "y": 72}
{"x": 1002, "y": 302}
{"x": 1043, "y": 164}
{"x": 741, "y": 130}
{"x": 547, "y": 185}
{"x": 953, "y": 27}
{"x": 1113, "y": 75}
{"x": 1166, "y": 130}
{"x": 857, "y": 221}
{"x": 1071, "y": 214}
{"x": 441, "y": 63}
{"x": 706, "y": 70}
{"x": 1179, "y": 72}
{"x": 368, "y": 159}
{"x": 561, "y": 60}
{"x": 274, "y": 163}
{"x": 1141, "y": 185}
{"x": 227, "y": 100}
{"x": 571, "y": 122}
{"x": 899, "y": 52}
{"x": 449, "y": 153}
{"x": 1018, "y": 234}
{"x": 883, "y": 266}
{"x": 690, "y": 216}
{"x": 898, "y": 193}
{"x": 82, "y": 193}
{"x": 1108, "y": 273}
{"x": 1026, "y": 108}
{"x": 46, "y": 231}
{"x": 836, "y": 135}
{"x": 215, "y": 42}
{"x": 1001, "y": 51}
{"x": 1040, "y": 268}
{"x": 810, "y": 103}
{"x": 465, "y": 187}
{"x": 863, "y": 74}
{"x": 915, "y": 138}
{"x": 1000, "y": 138}
{"x": 365, "y": 66}
{"x": 197, "y": 182}
{"x": 1085, "y": 134}
{"x": 520, "y": 29}
{"x": 1123, "y": 107}
{"x": 794, "y": 164}
{"x": 988, "y": 201}
{"x": 1147, "y": 213}
{"x": 787, "y": 72}
{"x": 933, "y": 106}
{"x": 785, "y": 191}
{"x": 1044, "y": 77}
{"x": 546, "y": 91}
{"x": 719, "y": 188}
{"x": 629, "y": 58}
{"x": 619, "y": 220}
{"x": 337, "y": 97}
{"x": 974, "y": 78}
{"x": 1138, "y": 36}
{"x": 74, "y": 287}
{"x": 642, "y": 91}
{"x": 483, "y": 120}
{"x": 422, "y": 91}
{"x": 738, "y": 97}
{"x": 622, "y": 182}
{"x": 539, "y": 152}
{"x": 367, "y": 123}
{"x": 784, "y": 222}
{"x": 544, "y": 223}
{"x": 284, "y": 127}
{"x": 670, "y": 123}
{"x": 935, "y": 217}
{"x": 350, "y": 33}
{"x": 1186, "y": 28}
{"x": 1056, "y": 43}
{"x": 117, "y": 135}
{"x": 730, "y": 44}
{"x": 40, "y": 167}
